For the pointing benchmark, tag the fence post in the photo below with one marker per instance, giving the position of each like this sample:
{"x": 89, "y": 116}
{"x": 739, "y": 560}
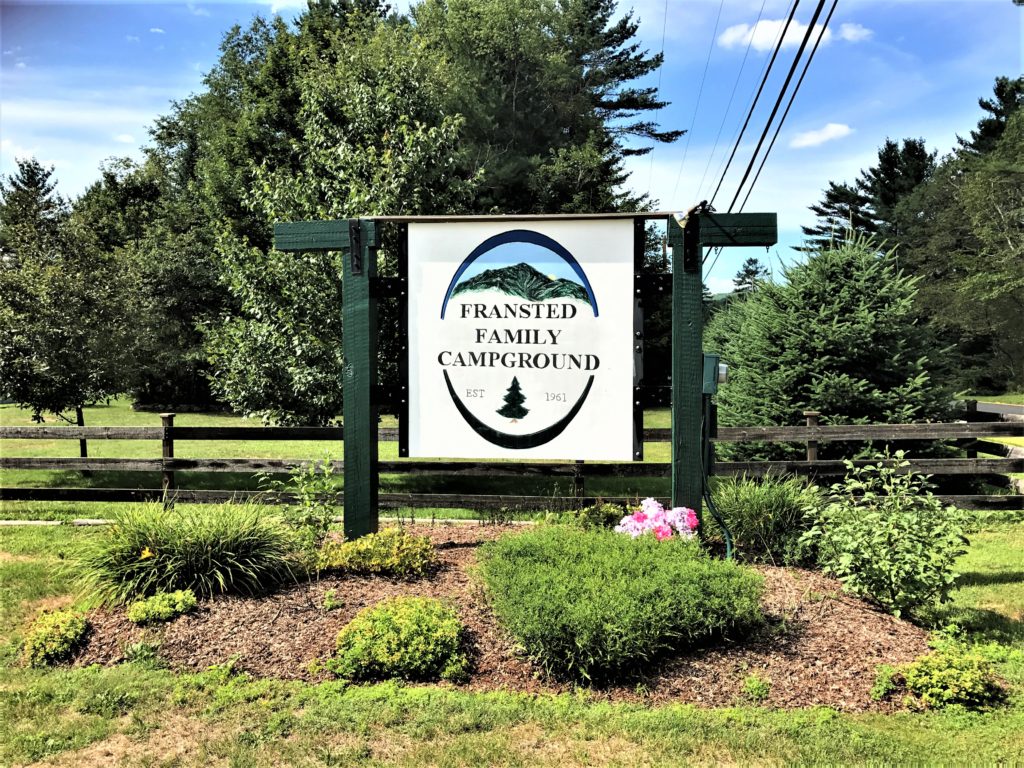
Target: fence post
{"x": 577, "y": 480}
{"x": 167, "y": 420}
{"x": 812, "y": 445}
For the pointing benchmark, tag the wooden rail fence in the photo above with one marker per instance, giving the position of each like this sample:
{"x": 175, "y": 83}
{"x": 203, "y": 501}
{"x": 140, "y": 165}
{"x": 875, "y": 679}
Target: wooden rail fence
{"x": 969, "y": 436}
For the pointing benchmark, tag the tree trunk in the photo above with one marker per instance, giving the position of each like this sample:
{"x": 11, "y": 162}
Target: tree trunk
{"x": 83, "y": 444}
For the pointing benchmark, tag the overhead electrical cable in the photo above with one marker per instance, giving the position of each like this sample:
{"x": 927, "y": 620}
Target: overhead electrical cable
{"x": 657, "y": 91}
{"x": 792, "y": 97}
{"x": 778, "y": 102}
{"x": 700, "y": 92}
{"x": 732, "y": 95}
{"x": 753, "y": 106}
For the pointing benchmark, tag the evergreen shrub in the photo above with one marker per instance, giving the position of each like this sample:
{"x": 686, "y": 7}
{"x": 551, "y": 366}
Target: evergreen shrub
{"x": 410, "y": 638}
{"x": 949, "y": 676}
{"x": 391, "y": 552}
{"x": 162, "y": 606}
{"x": 53, "y": 637}
{"x": 766, "y": 516}
{"x": 887, "y": 537}
{"x": 227, "y": 548}
{"x": 597, "y": 605}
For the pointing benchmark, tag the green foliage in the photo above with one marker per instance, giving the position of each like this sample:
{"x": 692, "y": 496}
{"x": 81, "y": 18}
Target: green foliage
{"x": 144, "y": 654}
{"x": 952, "y": 676}
{"x": 597, "y": 605}
{"x": 53, "y": 637}
{"x": 836, "y": 336}
{"x": 411, "y": 638}
{"x": 391, "y": 552}
{"x": 228, "y": 548}
{"x": 756, "y": 688}
{"x": 65, "y": 307}
{"x": 162, "y": 606}
{"x": 317, "y": 497}
{"x": 766, "y": 516}
{"x": 887, "y": 537}
{"x": 600, "y": 515}
{"x": 331, "y": 600}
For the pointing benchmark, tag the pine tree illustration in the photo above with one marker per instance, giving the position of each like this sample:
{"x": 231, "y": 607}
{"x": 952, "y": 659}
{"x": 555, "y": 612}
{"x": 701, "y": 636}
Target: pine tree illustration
{"x": 513, "y": 408}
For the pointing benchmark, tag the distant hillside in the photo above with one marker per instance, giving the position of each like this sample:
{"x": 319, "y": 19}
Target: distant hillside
{"x": 523, "y": 281}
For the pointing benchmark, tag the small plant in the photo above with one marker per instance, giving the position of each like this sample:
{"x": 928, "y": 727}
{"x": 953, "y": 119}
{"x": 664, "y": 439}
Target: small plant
{"x": 231, "y": 548}
{"x": 144, "y": 654}
{"x": 600, "y": 515}
{"x": 411, "y": 638}
{"x": 756, "y": 688}
{"x": 663, "y": 523}
{"x": 391, "y": 552}
{"x": 162, "y": 606}
{"x": 317, "y": 499}
{"x": 950, "y": 676}
{"x": 53, "y": 637}
{"x": 597, "y": 605}
{"x": 886, "y": 537}
{"x": 331, "y": 601}
{"x": 766, "y": 516}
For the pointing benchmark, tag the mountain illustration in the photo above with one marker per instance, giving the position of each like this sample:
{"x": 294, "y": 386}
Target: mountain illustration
{"x": 523, "y": 281}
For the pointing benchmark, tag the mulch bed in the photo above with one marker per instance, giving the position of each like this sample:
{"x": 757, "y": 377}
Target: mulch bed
{"x": 819, "y": 647}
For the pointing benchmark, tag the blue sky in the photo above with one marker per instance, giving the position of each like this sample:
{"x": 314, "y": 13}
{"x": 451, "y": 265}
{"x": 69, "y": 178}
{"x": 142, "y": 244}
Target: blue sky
{"x": 82, "y": 82}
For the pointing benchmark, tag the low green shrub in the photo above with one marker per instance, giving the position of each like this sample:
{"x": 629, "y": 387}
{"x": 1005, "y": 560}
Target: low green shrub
{"x": 600, "y": 515}
{"x": 756, "y": 688}
{"x": 766, "y": 516}
{"x": 596, "y": 605}
{"x": 886, "y": 537}
{"x": 227, "y": 548}
{"x": 391, "y": 552}
{"x": 942, "y": 678}
{"x": 53, "y": 637}
{"x": 411, "y": 638}
{"x": 163, "y": 606}
{"x": 317, "y": 500}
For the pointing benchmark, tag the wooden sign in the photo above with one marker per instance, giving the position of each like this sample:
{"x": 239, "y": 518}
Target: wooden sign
{"x": 520, "y": 339}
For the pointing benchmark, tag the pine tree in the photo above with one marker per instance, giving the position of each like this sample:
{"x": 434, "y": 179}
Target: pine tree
{"x": 843, "y": 209}
{"x": 1009, "y": 97}
{"x": 749, "y": 276}
{"x": 514, "y": 398}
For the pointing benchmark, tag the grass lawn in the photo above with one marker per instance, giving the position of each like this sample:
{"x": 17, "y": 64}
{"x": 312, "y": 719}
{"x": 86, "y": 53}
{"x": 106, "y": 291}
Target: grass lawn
{"x": 139, "y": 716}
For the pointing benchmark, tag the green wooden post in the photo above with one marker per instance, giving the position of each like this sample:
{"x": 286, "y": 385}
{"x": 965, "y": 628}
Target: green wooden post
{"x": 359, "y": 316}
{"x": 687, "y": 364}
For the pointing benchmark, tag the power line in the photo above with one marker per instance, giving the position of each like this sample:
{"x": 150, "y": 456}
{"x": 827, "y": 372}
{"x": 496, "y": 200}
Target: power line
{"x": 732, "y": 95}
{"x": 657, "y": 91}
{"x": 778, "y": 102}
{"x": 792, "y": 97}
{"x": 750, "y": 112}
{"x": 700, "y": 92}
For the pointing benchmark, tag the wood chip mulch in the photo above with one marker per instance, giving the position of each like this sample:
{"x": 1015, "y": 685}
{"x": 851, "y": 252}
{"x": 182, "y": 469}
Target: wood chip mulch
{"x": 819, "y": 646}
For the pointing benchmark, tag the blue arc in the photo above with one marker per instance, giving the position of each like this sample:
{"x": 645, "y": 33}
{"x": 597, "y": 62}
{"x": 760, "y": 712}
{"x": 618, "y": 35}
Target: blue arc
{"x": 521, "y": 236}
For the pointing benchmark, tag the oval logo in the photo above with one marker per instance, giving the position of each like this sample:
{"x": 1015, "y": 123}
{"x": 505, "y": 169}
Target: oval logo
{"x": 524, "y": 312}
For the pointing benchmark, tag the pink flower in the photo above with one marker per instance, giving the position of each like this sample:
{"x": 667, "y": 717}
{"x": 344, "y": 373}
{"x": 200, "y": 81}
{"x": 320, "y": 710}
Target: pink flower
{"x": 662, "y": 532}
{"x": 639, "y": 516}
{"x": 692, "y": 520}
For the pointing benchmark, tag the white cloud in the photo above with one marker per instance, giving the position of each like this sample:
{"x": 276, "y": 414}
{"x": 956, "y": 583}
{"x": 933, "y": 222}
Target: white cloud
{"x": 854, "y": 33}
{"x": 276, "y": 6}
{"x": 830, "y": 132}
{"x": 196, "y": 10}
{"x": 15, "y": 151}
{"x": 156, "y": 30}
{"x": 131, "y": 38}
{"x": 762, "y": 36}
{"x": 720, "y": 284}
{"x": 20, "y": 65}
{"x": 124, "y": 138}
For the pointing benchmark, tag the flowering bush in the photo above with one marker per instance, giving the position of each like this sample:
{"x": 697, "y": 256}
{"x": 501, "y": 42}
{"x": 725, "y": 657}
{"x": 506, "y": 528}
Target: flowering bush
{"x": 663, "y": 523}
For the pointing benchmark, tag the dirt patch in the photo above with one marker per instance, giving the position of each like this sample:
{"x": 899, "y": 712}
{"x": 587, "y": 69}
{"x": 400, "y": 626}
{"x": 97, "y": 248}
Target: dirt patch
{"x": 819, "y": 646}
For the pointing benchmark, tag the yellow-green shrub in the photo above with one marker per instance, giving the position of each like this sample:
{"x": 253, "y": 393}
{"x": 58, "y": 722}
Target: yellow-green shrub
{"x": 54, "y": 636}
{"x": 162, "y": 607}
{"x": 392, "y": 552}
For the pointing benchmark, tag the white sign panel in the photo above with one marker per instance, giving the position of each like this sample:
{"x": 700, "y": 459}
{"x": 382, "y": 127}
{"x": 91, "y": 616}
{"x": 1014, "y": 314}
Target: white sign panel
{"x": 521, "y": 339}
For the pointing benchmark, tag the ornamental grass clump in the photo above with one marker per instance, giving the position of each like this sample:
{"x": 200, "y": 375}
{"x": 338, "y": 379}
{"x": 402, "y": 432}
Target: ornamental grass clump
{"x": 599, "y": 606}
{"x": 224, "y": 549}
{"x": 409, "y": 638}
